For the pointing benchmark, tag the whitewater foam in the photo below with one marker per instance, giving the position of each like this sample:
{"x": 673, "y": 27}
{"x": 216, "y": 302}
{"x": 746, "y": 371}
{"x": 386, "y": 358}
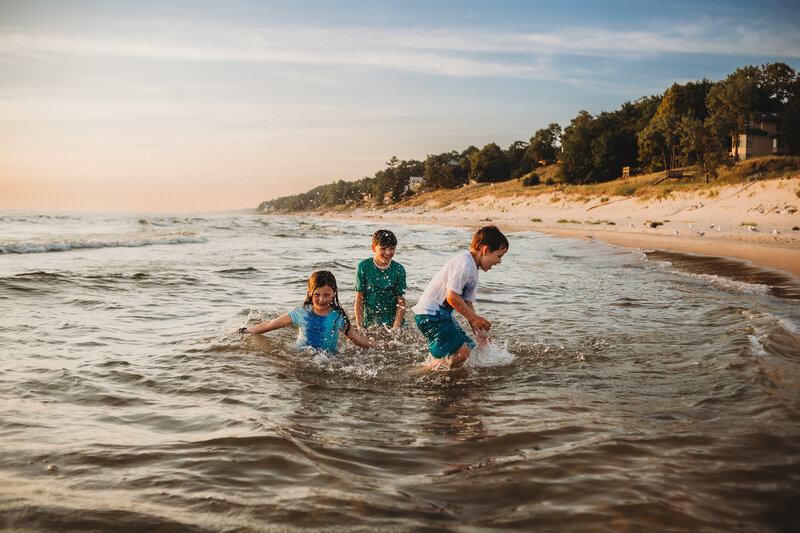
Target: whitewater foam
{"x": 78, "y": 244}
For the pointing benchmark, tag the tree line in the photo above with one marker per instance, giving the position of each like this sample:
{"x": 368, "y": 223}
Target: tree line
{"x": 696, "y": 123}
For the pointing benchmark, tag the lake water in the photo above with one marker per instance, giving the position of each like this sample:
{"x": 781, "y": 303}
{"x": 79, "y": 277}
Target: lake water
{"x": 625, "y": 390}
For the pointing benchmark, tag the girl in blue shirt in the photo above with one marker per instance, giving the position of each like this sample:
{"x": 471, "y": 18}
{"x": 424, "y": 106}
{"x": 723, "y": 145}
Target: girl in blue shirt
{"x": 319, "y": 319}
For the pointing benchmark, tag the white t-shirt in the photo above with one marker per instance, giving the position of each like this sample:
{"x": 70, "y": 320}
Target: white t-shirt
{"x": 459, "y": 274}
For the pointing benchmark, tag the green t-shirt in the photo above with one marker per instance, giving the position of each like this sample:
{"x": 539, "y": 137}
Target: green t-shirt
{"x": 381, "y": 289}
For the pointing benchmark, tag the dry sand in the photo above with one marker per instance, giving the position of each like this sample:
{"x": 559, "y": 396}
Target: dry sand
{"x": 710, "y": 222}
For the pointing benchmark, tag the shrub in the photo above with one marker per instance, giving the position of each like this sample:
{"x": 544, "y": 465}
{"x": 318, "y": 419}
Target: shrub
{"x": 531, "y": 180}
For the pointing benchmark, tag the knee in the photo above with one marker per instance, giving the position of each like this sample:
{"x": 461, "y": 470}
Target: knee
{"x": 461, "y": 355}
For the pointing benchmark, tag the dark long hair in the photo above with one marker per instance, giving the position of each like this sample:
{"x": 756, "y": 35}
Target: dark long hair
{"x": 324, "y": 278}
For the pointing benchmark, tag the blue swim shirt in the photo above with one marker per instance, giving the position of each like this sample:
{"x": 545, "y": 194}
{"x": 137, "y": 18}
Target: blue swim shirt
{"x": 318, "y": 332}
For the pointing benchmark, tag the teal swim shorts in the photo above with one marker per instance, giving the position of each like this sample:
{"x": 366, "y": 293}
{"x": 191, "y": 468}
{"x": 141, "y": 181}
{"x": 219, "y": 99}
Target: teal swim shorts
{"x": 444, "y": 334}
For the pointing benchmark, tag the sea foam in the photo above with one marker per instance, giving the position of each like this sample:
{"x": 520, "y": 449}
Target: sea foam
{"x": 78, "y": 244}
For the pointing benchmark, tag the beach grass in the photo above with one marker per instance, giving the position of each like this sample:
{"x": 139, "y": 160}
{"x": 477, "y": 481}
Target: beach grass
{"x": 645, "y": 187}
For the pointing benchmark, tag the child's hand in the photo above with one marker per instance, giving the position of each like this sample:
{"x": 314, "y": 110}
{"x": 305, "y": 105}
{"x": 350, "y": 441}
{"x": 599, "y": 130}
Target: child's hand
{"x": 479, "y": 323}
{"x": 482, "y": 337}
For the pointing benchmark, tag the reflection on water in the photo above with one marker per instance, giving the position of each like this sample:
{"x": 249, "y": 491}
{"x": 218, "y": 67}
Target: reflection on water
{"x": 623, "y": 390}
{"x": 730, "y": 273}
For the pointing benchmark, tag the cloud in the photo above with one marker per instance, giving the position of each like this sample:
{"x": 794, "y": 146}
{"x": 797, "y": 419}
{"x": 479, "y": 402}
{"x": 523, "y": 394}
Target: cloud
{"x": 439, "y": 51}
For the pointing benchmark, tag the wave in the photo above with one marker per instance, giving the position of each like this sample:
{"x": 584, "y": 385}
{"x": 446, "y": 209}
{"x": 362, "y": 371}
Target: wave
{"x": 727, "y": 283}
{"x": 77, "y": 244}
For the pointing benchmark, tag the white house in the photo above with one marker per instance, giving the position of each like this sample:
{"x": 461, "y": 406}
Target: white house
{"x": 414, "y": 182}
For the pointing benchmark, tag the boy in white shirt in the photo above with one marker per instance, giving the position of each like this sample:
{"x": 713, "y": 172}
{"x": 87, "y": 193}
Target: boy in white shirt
{"x": 455, "y": 287}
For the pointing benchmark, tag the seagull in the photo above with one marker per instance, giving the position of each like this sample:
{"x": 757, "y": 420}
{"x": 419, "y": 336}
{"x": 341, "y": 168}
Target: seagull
{"x": 676, "y": 232}
{"x": 776, "y": 232}
{"x": 752, "y": 228}
{"x": 701, "y": 233}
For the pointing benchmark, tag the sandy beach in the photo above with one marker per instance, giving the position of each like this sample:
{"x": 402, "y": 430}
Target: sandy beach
{"x": 751, "y": 221}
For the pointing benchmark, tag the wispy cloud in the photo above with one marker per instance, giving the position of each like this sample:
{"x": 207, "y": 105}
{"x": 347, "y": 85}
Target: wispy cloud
{"x": 439, "y": 51}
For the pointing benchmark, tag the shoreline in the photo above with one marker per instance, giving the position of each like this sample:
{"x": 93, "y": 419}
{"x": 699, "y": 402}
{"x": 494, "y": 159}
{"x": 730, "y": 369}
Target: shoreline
{"x": 752, "y": 222}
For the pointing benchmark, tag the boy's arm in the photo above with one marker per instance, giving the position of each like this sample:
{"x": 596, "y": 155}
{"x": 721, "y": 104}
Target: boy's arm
{"x": 400, "y": 313}
{"x": 269, "y": 325}
{"x": 466, "y": 309}
{"x": 359, "y": 309}
{"x": 360, "y": 340}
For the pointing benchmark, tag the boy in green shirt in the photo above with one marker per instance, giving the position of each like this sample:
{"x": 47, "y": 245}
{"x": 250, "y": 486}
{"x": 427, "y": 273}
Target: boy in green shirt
{"x": 381, "y": 285}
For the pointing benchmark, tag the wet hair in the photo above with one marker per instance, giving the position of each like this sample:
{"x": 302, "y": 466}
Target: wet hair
{"x": 384, "y": 238}
{"x": 489, "y": 236}
{"x": 324, "y": 278}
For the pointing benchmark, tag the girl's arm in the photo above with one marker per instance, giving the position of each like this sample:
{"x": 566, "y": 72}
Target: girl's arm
{"x": 277, "y": 323}
{"x": 466, "y": 309}
{"x": 360, "y": 340}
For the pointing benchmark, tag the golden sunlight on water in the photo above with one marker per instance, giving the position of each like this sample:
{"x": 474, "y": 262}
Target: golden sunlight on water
{"x": 622, "y": 390}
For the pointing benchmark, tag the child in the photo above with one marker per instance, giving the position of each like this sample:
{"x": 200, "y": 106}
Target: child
{"x": 320, "y": 318}
{"x": 455, "y": 287}
{"x": 381, "y": 285}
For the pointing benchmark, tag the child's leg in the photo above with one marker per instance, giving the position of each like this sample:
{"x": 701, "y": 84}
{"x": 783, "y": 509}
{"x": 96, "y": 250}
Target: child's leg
{"x": 453, "y": 360}
{"x": 461, "y": 355}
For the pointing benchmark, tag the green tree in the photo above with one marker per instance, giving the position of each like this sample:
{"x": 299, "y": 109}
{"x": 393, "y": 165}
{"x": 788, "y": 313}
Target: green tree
{"x": 660, "y": 143}
{"x": 490, "y": 164}
{"x": 699, "y": 145}
{"x": 778, "y": 87}
{"x": 403, "y": 171}
{"x": 518, "y": 163}
{"x": 445, "y": 171}
{"x": 543, "y": 145}
{"x": 685, "y": 100}
{"x": 732, "y": 103}
{"x": 791, "y": 126}
{"x": 576, "y": 149}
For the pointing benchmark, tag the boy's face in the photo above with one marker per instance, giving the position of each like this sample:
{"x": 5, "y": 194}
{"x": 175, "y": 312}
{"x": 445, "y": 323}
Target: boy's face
{"x": 383, "y": 254}
{"x": 491, "y": 258}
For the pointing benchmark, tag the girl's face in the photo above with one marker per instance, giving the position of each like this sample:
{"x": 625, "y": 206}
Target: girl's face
{"x": 322, "y": 297}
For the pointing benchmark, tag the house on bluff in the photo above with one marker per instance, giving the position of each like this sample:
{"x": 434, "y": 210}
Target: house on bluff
{"x": 762, "y": 137}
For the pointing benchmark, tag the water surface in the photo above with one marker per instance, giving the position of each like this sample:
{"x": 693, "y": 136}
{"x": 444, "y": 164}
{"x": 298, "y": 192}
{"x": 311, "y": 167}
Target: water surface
{"x": 625, "y": 390}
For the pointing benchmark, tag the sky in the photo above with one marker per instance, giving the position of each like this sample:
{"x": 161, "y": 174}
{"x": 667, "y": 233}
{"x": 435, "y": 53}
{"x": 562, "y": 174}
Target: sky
{"x": 198, "y": 106}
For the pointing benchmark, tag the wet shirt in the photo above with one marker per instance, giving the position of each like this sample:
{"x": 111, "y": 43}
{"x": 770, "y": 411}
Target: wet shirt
{"x": 317, "y": 331}
{"x": 381, "y": 290}
{"x": 460, "y": 275}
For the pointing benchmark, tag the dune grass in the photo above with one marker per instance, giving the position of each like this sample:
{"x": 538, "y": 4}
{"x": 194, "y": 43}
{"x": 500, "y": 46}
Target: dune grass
{"x": 642, "y": 186}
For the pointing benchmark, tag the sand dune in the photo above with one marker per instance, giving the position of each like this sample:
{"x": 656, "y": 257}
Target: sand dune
{"x": 752, "y": 221}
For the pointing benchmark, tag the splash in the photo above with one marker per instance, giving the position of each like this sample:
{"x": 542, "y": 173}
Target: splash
{"x": 490, "y": 355}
